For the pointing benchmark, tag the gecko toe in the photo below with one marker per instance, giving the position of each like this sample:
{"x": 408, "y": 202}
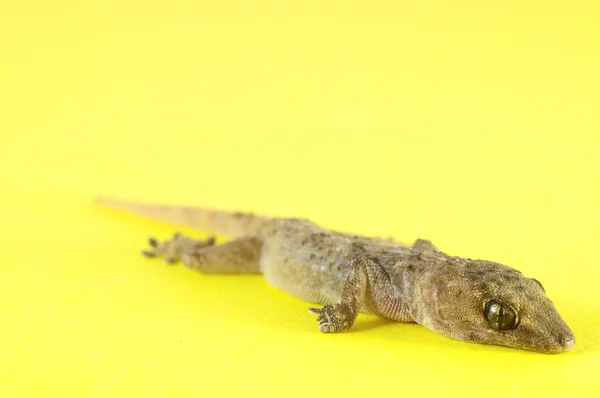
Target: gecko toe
{"x": 170, "y": 260}
{"x": 334, "y": 318}
{"x": 210, "y": 241}
{"x": 327, "y": 328}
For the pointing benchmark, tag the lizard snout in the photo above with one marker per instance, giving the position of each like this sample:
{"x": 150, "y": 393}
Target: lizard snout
{"x": 566, "y": 341}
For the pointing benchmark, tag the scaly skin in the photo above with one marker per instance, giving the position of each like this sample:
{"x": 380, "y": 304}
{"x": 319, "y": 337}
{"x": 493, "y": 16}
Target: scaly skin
{"x": 475, "y": 301}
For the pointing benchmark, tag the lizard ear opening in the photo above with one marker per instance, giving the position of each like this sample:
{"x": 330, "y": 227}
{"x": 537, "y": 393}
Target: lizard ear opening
{"x": 500, "y": 316}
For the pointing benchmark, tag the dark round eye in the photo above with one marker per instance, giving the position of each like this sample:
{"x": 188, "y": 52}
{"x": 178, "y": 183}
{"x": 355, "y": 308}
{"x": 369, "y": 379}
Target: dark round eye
{"x": 500, "y": 316}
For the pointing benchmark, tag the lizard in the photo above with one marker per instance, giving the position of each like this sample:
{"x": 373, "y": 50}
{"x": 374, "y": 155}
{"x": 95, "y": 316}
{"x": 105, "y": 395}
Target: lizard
{"x": 474, "y": 301}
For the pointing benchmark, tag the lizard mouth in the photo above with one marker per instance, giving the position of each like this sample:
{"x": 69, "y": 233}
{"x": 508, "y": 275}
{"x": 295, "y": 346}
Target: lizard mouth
{"x": 566, "y": 341}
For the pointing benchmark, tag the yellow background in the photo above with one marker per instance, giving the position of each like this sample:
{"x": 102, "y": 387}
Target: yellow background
{"x": 471, "y": 123}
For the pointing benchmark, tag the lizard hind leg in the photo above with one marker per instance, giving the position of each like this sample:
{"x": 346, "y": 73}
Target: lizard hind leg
{"x": 239, "y": 256}
{"x": 173, "y": 249}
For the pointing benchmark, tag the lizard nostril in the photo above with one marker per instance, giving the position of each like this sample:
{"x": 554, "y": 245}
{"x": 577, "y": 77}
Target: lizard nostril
{"x": 567, "y": 341}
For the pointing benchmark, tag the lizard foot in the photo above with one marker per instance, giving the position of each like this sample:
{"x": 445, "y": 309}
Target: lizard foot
{"x": 334, "y": 318}
{"x": 173, "y": 249}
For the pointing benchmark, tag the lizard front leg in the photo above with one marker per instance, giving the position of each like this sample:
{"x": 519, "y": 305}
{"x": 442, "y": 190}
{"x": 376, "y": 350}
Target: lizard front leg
{"x": 379, "y": 297}
{"x": 239, "y": 256}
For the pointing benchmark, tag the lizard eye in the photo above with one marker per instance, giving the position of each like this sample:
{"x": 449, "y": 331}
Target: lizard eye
{"x": 500, "y": 316}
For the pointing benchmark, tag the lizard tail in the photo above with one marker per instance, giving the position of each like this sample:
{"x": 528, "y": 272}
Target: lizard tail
{"x": 227, "y": 223}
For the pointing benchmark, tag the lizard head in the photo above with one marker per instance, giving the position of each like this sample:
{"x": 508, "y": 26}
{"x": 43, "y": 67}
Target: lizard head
{"x": 490, "y": 303}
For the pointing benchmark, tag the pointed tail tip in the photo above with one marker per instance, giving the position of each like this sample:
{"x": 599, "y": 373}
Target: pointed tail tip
{"x": 101, "y": 200}
{"x": 105, "y": 201}
{"x": 118, "y": 204}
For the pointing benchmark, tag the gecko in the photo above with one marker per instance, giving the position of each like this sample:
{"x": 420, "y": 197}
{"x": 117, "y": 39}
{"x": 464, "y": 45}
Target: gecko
{"x": 474, "y": 301}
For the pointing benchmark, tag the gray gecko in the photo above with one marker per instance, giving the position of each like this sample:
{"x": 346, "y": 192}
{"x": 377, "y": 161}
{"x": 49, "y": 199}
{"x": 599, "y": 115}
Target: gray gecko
{"x": 474, "y": 301}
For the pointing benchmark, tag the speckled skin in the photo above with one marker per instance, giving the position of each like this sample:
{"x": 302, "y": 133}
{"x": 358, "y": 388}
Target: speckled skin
{"x": 351, "y": 274}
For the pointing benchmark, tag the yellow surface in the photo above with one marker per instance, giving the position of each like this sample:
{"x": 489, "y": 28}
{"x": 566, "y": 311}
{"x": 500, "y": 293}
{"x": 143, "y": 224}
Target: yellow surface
{"x": 474, "y": 124}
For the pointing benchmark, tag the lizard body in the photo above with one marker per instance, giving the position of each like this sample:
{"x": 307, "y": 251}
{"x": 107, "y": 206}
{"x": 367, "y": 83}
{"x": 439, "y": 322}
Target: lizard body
{"x": 475, "y": 301}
